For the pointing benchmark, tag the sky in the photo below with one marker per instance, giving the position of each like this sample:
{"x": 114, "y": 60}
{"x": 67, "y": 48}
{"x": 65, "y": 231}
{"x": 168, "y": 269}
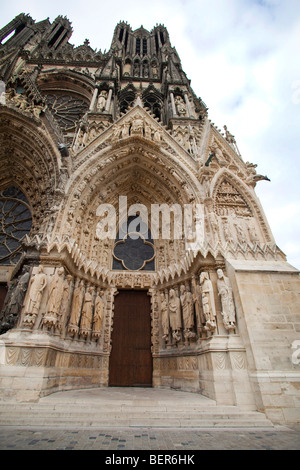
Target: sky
{"x": 243, "y": 60}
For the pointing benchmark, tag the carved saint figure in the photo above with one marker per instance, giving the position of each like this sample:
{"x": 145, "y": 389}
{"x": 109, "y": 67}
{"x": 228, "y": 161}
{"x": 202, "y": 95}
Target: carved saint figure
{"x": 36, "y": 288}
{"x": 65, "y": 303}
{"x": 164, "y": 316}
{"x": 56, "y": 290}
{"x": 98, "y": 314}
{"x": 187, "y": 304}
{"x": 180, "y": 106}
{"x": 76, "y": 306}
{"x": 87, "y": 312}
{"x": 14, "y": 301}
{"x": 174, "y": 312}
{"x": 102, "y": 101}
{"x": 225, "y": 292}
{"x": 228, "y": 136}
{"x": 137, "y": 126}
{"x": 208, "y": 302}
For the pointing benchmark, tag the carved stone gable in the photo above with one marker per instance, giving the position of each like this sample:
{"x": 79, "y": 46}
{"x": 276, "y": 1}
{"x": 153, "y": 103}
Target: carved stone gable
{"x": 228, "y": 201}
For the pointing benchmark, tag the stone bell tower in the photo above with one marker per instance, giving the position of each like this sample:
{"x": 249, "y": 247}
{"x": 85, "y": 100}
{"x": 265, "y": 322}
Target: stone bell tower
{"x": 134, "y": 250}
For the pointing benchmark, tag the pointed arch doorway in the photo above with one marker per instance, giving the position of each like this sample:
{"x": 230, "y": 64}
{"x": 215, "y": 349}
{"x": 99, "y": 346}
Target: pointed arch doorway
{"x": 130, "y": 363}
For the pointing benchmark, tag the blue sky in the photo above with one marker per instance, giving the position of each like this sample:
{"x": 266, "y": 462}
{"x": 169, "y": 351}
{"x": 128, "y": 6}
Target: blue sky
{"x": 242, "y": 57}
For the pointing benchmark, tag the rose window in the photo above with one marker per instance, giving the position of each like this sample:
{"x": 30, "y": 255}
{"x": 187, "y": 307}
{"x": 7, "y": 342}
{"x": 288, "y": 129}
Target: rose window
{"x": 15, "y": 223}
{"x": 66, "y": 109}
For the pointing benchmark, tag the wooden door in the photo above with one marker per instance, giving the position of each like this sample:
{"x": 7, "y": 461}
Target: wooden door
{"x": 131, "y": 360}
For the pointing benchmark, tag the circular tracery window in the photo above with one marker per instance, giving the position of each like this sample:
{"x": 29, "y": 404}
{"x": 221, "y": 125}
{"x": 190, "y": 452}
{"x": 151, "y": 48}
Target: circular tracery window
{"x": 15, "y": 223}
{"x": 66, "y": 109}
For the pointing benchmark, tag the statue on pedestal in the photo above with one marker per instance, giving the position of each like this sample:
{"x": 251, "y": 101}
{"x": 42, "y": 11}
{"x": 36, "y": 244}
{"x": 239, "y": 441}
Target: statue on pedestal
{"x": 175, "y": 317}
{"x": 76, "y": 307}
{"x": 98, "y": 315}
{"x": 102, "y": 101}
{"x": 208, "y": 302}
{"x": 14, "y": 301}
{"x": 86, "y": 314}
{"x": 164, "y": 316}
{"x": 36, "y": 288}
{"x": 57, "y": 286}
{"x": 225, "y": 292}
{"x": 187, "y": 304}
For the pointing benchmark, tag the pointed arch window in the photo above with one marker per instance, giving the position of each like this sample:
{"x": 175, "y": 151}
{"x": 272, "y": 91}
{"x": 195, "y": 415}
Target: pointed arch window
{"x": 138, "y": 46}
{"x": 145, "y": 46}
{"x": 126, "y": 98}
{"x": 15, "y": 223}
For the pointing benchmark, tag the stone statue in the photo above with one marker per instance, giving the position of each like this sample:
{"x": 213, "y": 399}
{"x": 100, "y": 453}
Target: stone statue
{"x": 136, "y": 69}
{"x": 208, "y": 302}
{"x": 164, "y": 316}
{"x": 4, "y": 324}
{"x": 14, "y": 301}
{"x": 76, "y": 307}
{"x": 197, "y": 298}
{"x": 65, "y": 303}
{"x": 36, "y": 288}
{"x": 187, "y": 304}
{"x": 231, "y": 140}
{"x": 240, "y": 234}
{"x": 98, "y": 315}
{"x": 180, "y": 106}
{"x": 154, "y": 71}
{"x": 227, "y": 232}
{"x": 228, "y": 136}
{"x": 225, "y": 292}
{"x": 102, "y": 101}
{"x": 137, "y": 127}
{"x": 87, "y": 312}
{"x": 57, "y": 286}
{"x": 174, "y": 314}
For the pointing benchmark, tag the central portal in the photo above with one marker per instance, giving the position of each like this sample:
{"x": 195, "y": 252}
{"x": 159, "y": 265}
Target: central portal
{"x": 130, "y": 362}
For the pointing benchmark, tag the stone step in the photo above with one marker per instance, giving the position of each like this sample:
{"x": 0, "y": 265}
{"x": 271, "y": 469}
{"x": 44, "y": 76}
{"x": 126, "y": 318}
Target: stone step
{"x": 169, "y": 423}
{"x": 221, "y": 412}
{"x": 74, "y": 418}
{"x": 123, "y": 409}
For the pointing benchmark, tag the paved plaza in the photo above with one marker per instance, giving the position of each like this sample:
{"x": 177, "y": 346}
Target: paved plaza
{"x": 14, "y": 438}
{"x": 114, "y": 419}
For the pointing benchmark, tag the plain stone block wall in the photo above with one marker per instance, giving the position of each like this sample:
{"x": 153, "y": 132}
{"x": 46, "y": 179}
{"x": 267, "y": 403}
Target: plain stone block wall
{"x": 268, "y": 309}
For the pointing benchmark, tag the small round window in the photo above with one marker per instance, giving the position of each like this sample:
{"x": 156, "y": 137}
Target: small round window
{"x": 15, "y": 223}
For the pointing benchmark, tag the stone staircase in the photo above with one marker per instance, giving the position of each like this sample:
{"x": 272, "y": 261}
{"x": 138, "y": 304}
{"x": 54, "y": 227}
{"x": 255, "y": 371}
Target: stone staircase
{"x": 133, "y": 407}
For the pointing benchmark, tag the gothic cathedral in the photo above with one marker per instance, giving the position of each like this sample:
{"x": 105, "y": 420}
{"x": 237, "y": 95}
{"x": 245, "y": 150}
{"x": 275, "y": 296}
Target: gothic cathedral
{"x": 133, "y": 248}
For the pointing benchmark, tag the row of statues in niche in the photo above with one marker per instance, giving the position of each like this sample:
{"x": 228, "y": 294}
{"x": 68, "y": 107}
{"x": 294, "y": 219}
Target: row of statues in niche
{"x": 140, "y": 70}
{"x": 82, "y": 312}
{"x": 190, "y": 312}
{"x": 137, "y": 127}
{"x": 232, "y": 228}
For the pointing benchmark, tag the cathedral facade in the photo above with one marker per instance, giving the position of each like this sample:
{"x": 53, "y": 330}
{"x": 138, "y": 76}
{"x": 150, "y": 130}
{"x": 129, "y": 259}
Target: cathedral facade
{"x": 134, "y": 250}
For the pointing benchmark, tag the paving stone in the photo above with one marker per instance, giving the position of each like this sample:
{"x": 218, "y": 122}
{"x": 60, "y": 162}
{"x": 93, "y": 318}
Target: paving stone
{"x": 170, "y": 439}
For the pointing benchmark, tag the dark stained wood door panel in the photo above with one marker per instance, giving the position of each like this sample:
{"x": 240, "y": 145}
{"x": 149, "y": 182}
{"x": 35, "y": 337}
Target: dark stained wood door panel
{"x": 131, "y": 360}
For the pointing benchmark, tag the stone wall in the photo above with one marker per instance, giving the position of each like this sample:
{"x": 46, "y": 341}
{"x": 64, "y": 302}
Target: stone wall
{"x": 33, "y": 365}
{"x": 267, "y": 297}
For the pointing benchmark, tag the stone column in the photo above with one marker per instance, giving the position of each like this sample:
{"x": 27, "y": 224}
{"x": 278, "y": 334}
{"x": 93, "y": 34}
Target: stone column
{"x": 108, "y": 102}
{"x": 173, "y": 104}
{"x": 188, "y": 105}
{"x": 92, "y": 105}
